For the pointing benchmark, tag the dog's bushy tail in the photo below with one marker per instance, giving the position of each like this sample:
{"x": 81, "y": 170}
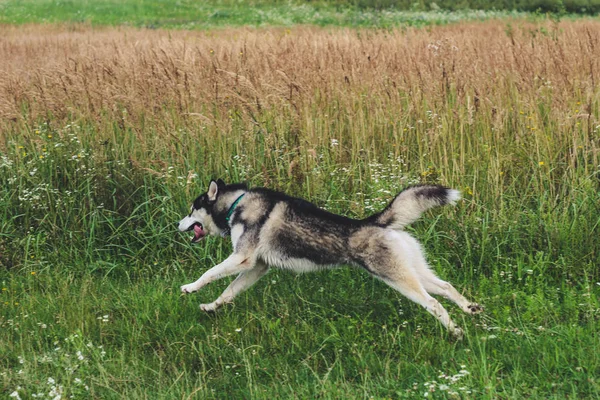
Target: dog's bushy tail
{"x": 413, "y": 201}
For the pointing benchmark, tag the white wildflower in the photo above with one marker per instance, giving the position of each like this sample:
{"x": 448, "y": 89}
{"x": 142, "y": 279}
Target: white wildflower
{"x": 15, "y": 395}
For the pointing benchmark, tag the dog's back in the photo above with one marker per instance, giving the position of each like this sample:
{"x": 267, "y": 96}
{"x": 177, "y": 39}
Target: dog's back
{"x": 300, "y": 236}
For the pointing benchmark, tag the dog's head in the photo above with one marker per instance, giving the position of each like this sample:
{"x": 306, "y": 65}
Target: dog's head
{"x": 208, "y": 213}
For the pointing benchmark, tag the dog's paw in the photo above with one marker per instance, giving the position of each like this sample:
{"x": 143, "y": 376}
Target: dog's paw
{"x": 458, "y": 333}
{"x": 474, "y": 308}
{"x": 189, "y": 288}
{"x": 212, "y": 307}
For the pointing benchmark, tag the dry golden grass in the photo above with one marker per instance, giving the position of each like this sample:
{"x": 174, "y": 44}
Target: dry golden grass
{"x": 476, "y": 99}
{"x": 63, "y": 70}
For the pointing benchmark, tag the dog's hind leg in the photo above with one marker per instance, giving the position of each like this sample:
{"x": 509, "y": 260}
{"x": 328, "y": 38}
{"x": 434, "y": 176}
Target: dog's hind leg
{"x": 437, "y": 286}
{"x": 410, "y": 286}
{"x": 233, "y": 264}
{"x": 241, "y": 283}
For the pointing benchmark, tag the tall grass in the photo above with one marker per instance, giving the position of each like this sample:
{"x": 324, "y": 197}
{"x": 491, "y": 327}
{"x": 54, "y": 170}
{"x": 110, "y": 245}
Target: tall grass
{"x": 107, "y": 135}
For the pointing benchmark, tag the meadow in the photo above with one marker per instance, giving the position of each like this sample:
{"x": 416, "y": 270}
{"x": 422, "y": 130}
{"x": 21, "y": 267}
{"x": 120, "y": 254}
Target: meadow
{"x": 107, "y": 134}
{"x": 190, "y": 14}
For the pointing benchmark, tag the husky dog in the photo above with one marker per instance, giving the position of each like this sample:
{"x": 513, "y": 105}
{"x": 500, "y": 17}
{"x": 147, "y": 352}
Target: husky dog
{"x": 271, "y": 229}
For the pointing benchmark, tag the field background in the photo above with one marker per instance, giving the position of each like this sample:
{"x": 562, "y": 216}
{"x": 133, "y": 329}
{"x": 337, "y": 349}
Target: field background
{"x": 192, "y": 14}
{"x": 108, "y": 133}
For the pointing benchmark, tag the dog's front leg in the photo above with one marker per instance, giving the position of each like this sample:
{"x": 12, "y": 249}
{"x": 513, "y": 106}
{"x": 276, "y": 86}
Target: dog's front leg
{"x": 233, "y": 264}
{"x": 241, "y": 283}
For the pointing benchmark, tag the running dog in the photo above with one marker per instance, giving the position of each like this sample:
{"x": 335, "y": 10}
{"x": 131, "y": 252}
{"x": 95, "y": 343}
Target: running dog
{"x": 272, "y": 229}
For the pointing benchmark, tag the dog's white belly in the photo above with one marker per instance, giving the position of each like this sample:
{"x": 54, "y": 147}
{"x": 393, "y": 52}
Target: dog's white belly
{"x": 299, "y": 265}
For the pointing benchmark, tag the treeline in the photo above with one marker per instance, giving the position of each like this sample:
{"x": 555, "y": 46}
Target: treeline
{"x": 544, "y": 6}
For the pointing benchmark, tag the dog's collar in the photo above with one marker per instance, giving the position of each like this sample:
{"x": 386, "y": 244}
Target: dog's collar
{"x": 235, "y": 203}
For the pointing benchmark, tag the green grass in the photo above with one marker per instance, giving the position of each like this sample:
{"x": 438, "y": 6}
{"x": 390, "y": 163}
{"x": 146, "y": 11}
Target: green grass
{"x": 202, "y": 15}
{"x": 110, "y": 248}
{"x": 295, "y": 340}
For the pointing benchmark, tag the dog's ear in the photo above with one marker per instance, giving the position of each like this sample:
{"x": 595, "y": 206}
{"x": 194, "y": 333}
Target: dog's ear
{"x": 220, "y": 183}
{"x": 213, "y": 189}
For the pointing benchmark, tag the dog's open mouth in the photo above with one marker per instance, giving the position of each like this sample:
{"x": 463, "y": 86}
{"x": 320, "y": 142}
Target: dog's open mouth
{"x": 199, "y": 232}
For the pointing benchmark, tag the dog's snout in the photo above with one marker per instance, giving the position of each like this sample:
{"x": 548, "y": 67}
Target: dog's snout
{"x": 187, "y": 224}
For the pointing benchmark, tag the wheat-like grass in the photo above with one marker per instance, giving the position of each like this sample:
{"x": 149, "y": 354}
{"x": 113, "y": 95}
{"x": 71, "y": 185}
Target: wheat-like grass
{"x": 450, "y": 95}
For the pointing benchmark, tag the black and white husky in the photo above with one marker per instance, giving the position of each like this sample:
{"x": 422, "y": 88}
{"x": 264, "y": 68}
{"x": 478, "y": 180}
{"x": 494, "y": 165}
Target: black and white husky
{"x": 271, "y": 229}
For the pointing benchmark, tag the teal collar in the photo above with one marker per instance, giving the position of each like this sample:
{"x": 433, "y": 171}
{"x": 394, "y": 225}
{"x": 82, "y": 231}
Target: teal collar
{"x": 235, "y": 203}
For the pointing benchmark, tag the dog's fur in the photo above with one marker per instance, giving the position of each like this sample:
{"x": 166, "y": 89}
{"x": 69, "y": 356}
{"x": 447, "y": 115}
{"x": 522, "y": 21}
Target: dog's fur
{"x": 271, "y": 229}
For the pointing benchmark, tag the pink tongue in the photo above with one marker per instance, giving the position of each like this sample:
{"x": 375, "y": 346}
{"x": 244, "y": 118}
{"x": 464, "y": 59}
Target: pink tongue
{"x": 198, "y": 232}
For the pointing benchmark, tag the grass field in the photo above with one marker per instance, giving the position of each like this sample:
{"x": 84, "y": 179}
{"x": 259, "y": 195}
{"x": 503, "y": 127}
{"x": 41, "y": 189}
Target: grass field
{"x": 107, "y": 134}
{"x": 190, "y": 14}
